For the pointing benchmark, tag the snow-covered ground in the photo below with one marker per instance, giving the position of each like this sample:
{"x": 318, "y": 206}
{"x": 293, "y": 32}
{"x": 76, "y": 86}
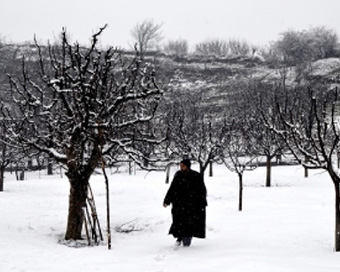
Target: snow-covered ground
{"x": 288, "y": 227}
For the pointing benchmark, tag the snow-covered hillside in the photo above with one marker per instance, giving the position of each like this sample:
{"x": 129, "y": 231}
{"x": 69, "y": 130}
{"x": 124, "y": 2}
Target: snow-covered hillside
{"x": 288, "y": 227}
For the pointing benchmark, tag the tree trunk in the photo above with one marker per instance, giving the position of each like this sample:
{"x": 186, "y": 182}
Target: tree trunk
{"x": 337, "y": 215}
{"x": 49, "y": 168}
{"x": 107, "y": 207}
{"x": 77, "y": 201}
{"x": 210, "y": 169}
{"x": 202, "y": 170}
{"x": 306, "y": 172}
{"x": 2, "y": 170}
{"x": 240, "y": 196}
{"x": 22, "y": 175}
{"x": 306, "y": 169}
{"x": 29, "y": 164}
{"x": 146, "y": 162}
{"x": 336, "y": 181}
{"x": 130, "y": 167}
{"x": 269, "y": 170}
{"x": 167, "y": 178}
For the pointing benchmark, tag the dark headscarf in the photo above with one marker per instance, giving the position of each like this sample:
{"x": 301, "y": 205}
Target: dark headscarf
{"x": 186, "y": 162}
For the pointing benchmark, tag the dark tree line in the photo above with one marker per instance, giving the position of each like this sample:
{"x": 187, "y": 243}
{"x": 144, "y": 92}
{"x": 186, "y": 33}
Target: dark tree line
{"x": 293, "y": 48}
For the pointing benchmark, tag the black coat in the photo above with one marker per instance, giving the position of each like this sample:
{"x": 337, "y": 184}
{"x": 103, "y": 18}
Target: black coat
{"x": 188, "y": 196}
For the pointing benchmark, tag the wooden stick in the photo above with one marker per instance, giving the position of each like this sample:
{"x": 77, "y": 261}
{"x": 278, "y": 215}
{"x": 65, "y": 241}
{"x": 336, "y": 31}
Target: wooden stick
{"x": 92, "y": 223}
{"x": 86, "y": 229}
{"x": 94, "y": 213}
{"x": 107, "y": 206}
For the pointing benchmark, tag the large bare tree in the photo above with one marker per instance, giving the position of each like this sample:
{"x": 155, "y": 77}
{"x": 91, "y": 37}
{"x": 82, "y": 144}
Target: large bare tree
{"x": 310, "y": 128}
{"x": 83, "y": 107}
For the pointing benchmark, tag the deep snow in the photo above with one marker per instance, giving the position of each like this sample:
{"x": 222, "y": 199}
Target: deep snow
{"x": 288, "y": 227}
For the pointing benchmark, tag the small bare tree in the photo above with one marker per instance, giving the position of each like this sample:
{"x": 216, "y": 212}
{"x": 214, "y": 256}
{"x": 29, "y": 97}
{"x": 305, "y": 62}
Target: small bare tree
{"x": 5, "y": 158}
{"x": 215, "y": 47}
{"x": 147, "y": 35}
{"x": 240, "y": 141}
{"x": 239, "y": 47}
{"x": 9, "y": 154}
{"x": 238, "y": 151}
{"x": 177, "y": 48}
{"x": 270, "y": 144}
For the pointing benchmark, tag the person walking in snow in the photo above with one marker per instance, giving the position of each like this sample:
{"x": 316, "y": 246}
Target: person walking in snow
{"x": 188, "y": 196}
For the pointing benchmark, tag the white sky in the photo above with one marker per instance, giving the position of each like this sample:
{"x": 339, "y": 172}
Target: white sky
{"x": 257, "y": 21}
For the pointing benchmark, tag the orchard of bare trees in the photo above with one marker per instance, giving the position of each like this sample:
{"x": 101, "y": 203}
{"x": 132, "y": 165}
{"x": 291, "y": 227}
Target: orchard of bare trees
{"x": 87, "y": 107}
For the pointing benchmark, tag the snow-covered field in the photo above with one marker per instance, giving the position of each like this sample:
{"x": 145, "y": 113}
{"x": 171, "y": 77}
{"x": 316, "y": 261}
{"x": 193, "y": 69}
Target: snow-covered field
{"x": 288, "y": 227}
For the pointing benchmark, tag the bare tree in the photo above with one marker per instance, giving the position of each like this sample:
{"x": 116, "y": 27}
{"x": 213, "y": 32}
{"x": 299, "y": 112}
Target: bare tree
{"x": 238, "y": 151}
{"x": 240, "y": 141}
{"x": 194, "y": 129}
{"x": 147, "y": 35}
{"x": 270, "y": 144}
{"x": 9, "y": 154}
{"x": 240, "y": 47}
{"x": 220, "y": 48}
{"x": 5, "y": 158}
{"x": 177, "y": 48}
{"x": 313, "y": 132}
{"x": 149, "y": 142}
{"x": 82, "y": 109}
{"x": 216, "y": 48}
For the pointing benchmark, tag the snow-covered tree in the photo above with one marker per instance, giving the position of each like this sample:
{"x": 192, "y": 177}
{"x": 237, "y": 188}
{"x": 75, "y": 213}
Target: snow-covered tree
{"x": 313, "y": 132}
{"x": 238, "y": 150}
{"x": 270, "y": 144}
{"x": 5, "y": 158}
{"x": 194, "y": 128}
{"x": 83, "y": 106}
{"x": 9, "y": 154}
{"x": 241, "y": 134}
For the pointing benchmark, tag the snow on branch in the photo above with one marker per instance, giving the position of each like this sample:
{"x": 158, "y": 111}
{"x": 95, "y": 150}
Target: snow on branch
{"x": 81, "y": 99}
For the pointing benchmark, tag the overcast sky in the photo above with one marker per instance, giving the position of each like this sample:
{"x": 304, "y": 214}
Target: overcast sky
{"x": 257, "y": 21}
